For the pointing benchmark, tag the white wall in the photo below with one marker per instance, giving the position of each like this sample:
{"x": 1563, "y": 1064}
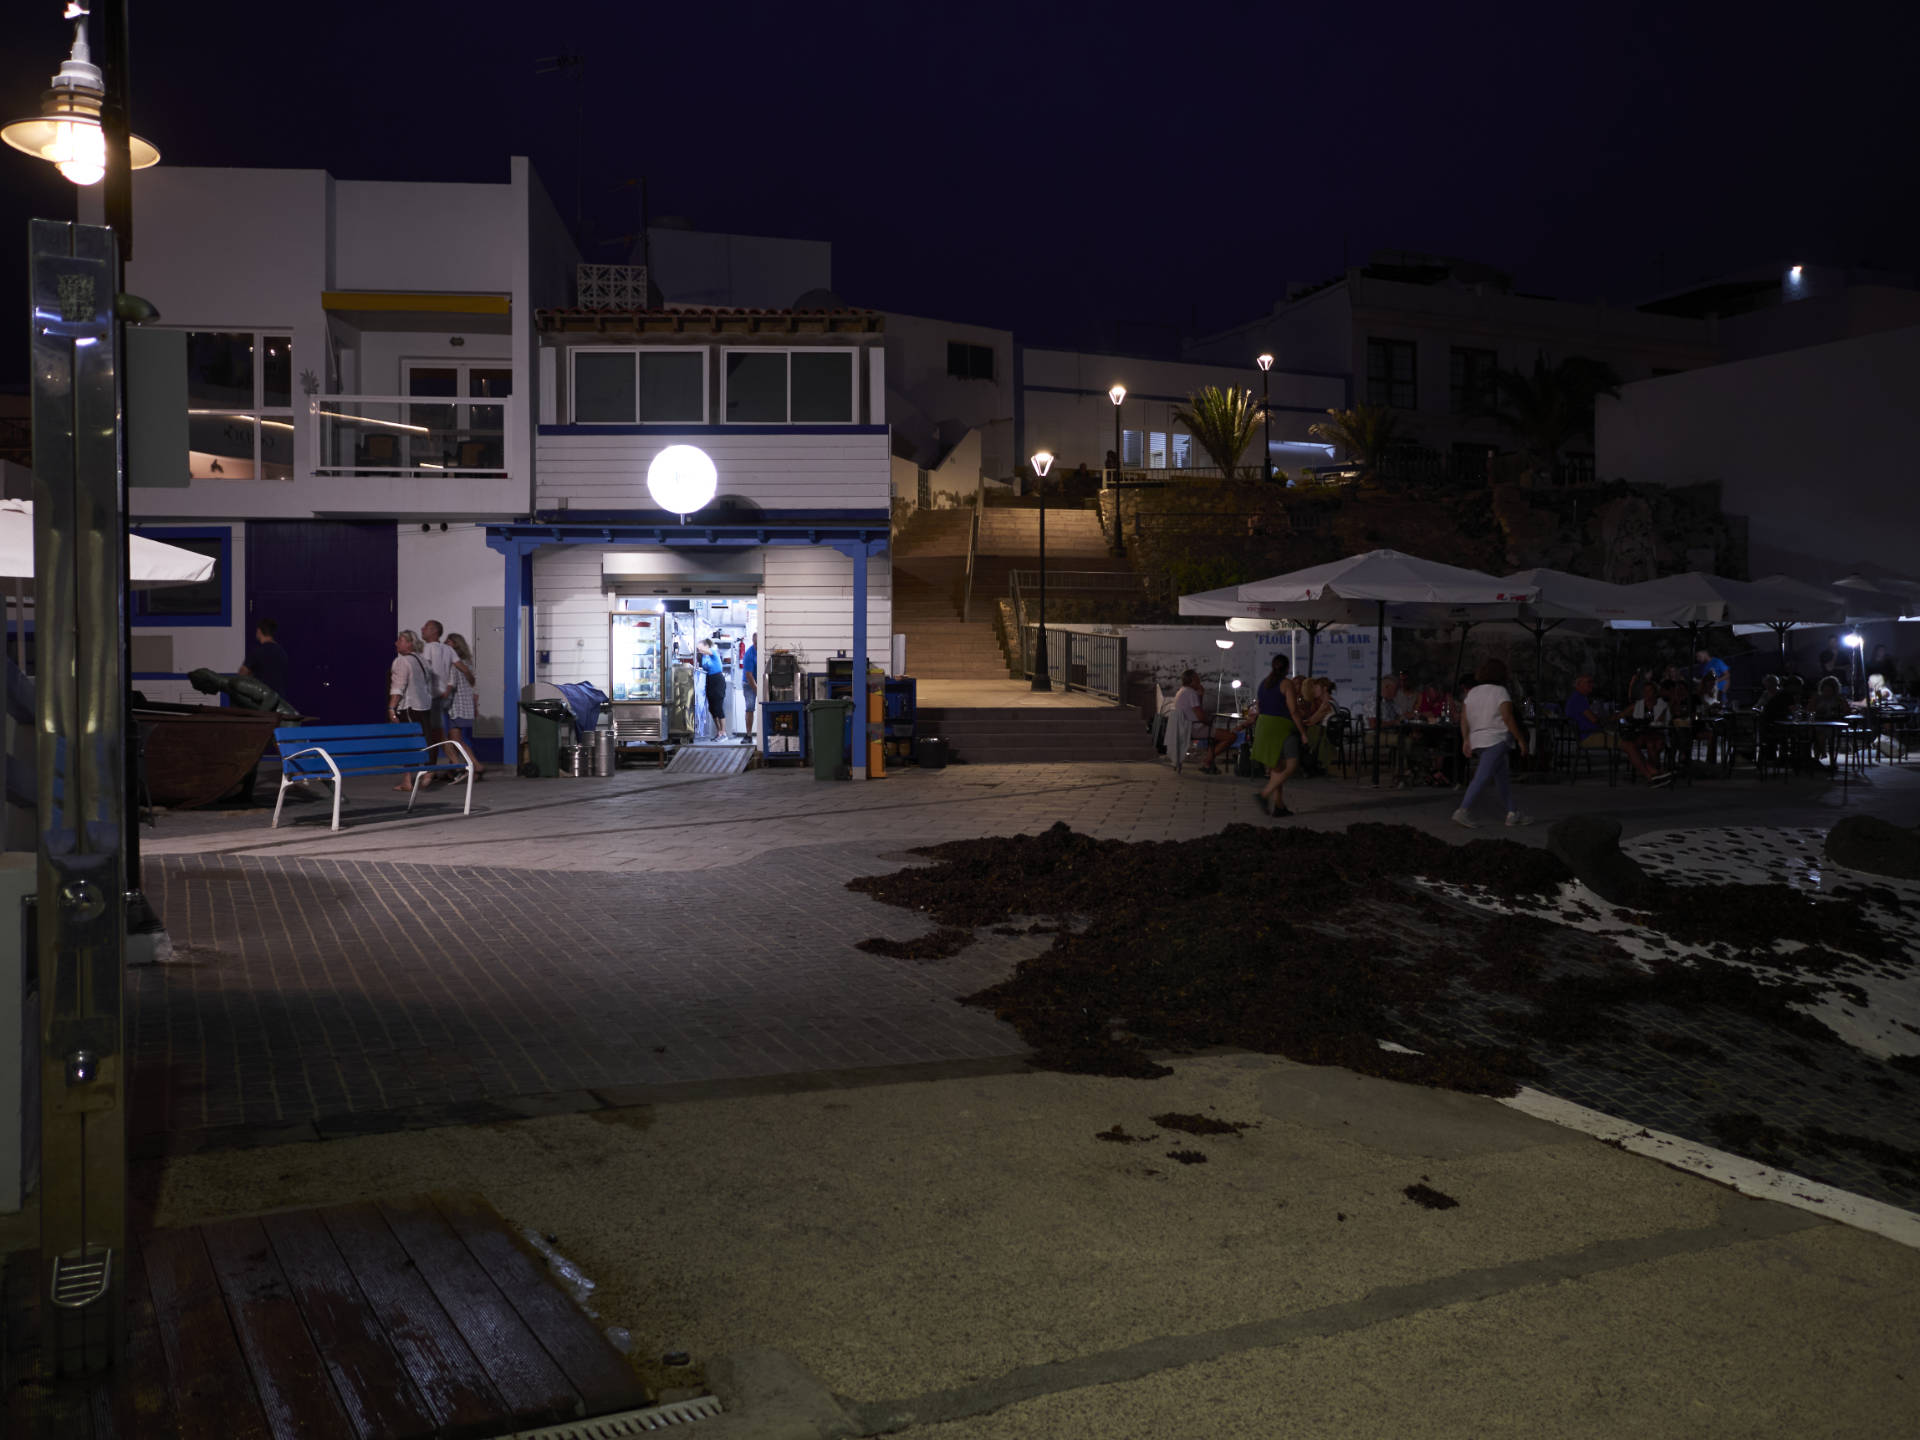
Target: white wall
{"x": 446, "y": 575}
{"x": 922, "y": 397}
{"x": 1344, "y": 654}
{"x": 808, "y": 607}
{"x": 1819, "y": 449}
{"x": 401, "y": 235}
{"x": 774, "y": 470}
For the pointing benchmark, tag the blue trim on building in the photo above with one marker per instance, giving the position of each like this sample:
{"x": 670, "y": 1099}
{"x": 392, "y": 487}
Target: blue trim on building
{"x": 757, "y": 519}
{"x": 223, "y": 572}
{"x": 713, "y": 429}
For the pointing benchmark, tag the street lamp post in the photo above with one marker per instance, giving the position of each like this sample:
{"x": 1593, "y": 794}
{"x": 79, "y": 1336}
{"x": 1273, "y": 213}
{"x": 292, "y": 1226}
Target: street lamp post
{"x": 1042, "y": 680}
{"x": 1117, "y": 394}
{"x": 1265, "y": 362}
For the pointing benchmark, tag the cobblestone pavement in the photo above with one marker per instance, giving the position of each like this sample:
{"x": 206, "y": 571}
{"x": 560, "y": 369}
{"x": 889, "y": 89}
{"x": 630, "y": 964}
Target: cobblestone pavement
{"x": 574, "y": 939}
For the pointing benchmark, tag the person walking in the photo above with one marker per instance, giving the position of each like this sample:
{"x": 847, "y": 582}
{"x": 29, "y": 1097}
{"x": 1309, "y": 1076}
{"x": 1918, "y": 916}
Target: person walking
{"x": 750, "y": 683}
{"x": 1276, "y": 738}
{"x": 1489, "y": 732}
{"x": 409, "y": 690}
{"x": 267, "y": 660}
{"x": 461, "y": 710}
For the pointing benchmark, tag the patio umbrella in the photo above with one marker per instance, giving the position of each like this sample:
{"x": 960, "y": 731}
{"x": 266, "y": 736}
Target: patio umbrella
{"x": 1566, "y": 599}
{"x": 154, "y": 565}
{"x": 1696, "y": 600}
{"x": 1368, "y": 587}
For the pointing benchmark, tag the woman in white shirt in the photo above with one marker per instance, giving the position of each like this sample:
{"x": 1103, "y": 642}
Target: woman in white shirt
{"x": 1488, "y": 731}
{"x": 409, "y": 693}
{"x": 1186, "y": 720}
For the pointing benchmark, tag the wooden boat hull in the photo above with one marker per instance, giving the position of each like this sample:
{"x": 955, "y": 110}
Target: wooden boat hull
{"x": 198, "y": 754}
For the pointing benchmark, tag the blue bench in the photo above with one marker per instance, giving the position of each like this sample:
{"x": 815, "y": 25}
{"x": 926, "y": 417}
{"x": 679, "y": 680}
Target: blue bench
{"x": 333, "y": 752}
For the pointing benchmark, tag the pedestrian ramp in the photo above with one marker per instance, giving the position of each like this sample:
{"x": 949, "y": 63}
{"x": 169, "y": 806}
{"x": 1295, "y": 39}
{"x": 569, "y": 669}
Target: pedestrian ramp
{"x": 730, "y": 759}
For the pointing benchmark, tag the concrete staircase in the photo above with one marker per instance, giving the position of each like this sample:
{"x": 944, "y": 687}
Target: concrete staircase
{"x": 929, "y": 580}
{"x": 1038, "y": 735}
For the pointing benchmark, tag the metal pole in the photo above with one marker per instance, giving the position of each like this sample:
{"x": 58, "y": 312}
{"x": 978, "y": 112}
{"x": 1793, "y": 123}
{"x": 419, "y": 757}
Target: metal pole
{"x": 1379, "y": 674}
{"x": 79, "y": 549}
{"x": 1266, "y": 420}
{"x": 1042, "y": 680}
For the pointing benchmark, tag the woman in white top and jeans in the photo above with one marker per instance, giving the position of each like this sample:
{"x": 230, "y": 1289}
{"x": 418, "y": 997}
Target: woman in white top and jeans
{"x": 1488, "y": 730}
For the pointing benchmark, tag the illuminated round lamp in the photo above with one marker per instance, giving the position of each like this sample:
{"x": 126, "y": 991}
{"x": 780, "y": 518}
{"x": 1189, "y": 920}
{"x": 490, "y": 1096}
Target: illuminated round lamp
{"x": 1265, "y": 362}
{"x": 1224, "y": 644}
{"x": 1117, "y": 394}
{"x": 1853, "y": 639}
{"x": 1042, "y": 462}
{"x": 681, "y": 478}
{"x": 67, "y": 131}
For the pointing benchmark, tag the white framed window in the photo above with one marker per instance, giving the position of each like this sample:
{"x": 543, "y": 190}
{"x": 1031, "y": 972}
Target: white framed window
{"x": 637, "y": 385}
{"x": 455, "y": 434}
{"x": 789, "y": 387}
{"x": 239, "y": 405}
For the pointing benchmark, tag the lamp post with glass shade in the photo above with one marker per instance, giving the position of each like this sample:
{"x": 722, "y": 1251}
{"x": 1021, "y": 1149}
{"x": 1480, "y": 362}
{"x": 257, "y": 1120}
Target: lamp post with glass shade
{"x": 1042, "y": 462}
{"x": 1116, "y": 394}
{"x": 1220, "y": 686}
{"x": 1265, "y": 362}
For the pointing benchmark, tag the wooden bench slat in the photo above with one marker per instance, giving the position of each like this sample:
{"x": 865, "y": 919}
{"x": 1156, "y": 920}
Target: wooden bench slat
{"x": 212, "y": 1389}
{"x": 396, "y": 728}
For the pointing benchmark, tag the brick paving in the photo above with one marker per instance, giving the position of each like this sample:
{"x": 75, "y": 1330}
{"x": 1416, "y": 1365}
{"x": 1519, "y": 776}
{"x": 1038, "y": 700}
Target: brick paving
{"x": 572, "y": 942}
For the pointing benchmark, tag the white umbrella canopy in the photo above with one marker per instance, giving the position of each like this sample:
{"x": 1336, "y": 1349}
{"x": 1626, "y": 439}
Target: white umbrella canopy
{"x": 1392, "y": 577}
{"x": 1565, "y": 596}
{"x": 155, "y": 564}
{"x": 1696, "y": 598}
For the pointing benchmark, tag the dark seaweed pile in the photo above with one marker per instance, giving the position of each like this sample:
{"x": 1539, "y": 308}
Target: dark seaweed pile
{"x": 1318, "y": 945}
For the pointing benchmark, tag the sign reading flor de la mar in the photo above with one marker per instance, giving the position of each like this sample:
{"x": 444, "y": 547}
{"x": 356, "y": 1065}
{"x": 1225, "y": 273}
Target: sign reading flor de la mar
{"x": 1344, "y": 654}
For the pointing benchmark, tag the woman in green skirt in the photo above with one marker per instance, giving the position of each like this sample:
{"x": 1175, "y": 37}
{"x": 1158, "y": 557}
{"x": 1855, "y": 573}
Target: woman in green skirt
{"x": 1276, "y": 741}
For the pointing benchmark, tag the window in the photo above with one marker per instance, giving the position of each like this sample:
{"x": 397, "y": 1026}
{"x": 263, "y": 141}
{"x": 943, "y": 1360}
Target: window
{"x": 456, "y": 436}
{"x": 1156, "y": 449}
{"x": 239, "y": 405}
{"x": 639, "y": 387}
{"x": 1182, "y": 451}
{"x": 1391, "y": 374}
{"x": 208, "y": 603}
{"x": 969, "y": 362}
{"x": 790, "y": 387}
{"x": 1470, "y": 380}
{"x": 1133, "y": 448}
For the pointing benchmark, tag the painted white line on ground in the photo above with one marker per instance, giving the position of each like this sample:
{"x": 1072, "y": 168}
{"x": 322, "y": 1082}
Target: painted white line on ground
{"x": 1749, "y": 1177}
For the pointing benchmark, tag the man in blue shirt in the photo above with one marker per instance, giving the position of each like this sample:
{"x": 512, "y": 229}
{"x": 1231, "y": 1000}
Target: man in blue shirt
{"x": 750, "y": 681}
{"x": 1714, "y": 669}
{"x": 1594, "y": 735}
{"x": 716, "y": 678}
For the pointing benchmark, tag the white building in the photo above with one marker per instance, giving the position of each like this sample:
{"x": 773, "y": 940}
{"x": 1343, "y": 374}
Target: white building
{"x": 387, "y": 424}
{"x": 1818, "y": 449}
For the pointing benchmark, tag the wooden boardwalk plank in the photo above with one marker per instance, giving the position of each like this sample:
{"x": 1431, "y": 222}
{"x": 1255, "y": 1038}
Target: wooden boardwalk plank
{"x": 143, "y": 1395}
{"x": 213, "y": 1392}
{"x": 295, "y": 1389}
{"x": 585, "y": 1356}
{"x": 535, "y": 1390}
{"x": 452, "y": 1382}
{"x": 372, "y": 1384}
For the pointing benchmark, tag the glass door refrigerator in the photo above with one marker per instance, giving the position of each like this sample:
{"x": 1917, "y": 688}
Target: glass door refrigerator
{"x": 639, "y": 665}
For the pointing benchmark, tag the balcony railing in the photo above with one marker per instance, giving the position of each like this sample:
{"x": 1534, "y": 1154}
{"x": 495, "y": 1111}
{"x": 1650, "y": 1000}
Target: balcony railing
{"x": 396, "y": 435}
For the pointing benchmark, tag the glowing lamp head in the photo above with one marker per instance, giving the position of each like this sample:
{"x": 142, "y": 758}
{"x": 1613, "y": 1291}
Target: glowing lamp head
{"x": 1795, "y": 272}
{"x": 1236, "y": 684}
{"x": 681, "y": 478}
{"x": 1852, "y": 638}
{"x": 1265, "y": 362}
{"x": 1042, "y": 462}
{"x": 1224, "y": 644}
{"x": 67, "y": 131}
{"x": 1117, "y": 393}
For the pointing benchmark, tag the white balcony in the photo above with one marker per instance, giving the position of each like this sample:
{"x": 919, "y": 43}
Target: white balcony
{"x": 393, "y": 436}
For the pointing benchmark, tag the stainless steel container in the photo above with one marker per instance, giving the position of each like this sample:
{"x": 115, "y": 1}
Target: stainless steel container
{"x": 605, "y": 749}
{"x": 576, "y": 760}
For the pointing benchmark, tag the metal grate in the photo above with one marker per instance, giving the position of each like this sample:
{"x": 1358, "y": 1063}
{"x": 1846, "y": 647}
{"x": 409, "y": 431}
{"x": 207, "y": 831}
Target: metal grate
{"x": 633, "y": 1422}
{"x": 79, "y": 1280}
{"x": 710, "y": 760}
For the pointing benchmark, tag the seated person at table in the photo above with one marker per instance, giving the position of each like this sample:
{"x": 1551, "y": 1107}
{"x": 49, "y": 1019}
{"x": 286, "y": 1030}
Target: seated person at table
{"x": 1226, "y": 731}
{"x": 1390, "y": 701}
{"x": 1433, "y": 704}
{"x": 1829, "y": 703}
{"x": 1316, "y": 749}
{"x": 1588, "y": 728}
{"x": 1652, "y": 714}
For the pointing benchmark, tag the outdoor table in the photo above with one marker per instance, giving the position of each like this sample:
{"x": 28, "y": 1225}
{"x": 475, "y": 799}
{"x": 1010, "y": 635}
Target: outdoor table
{"x": 1812, "y": 733}
{"x": 1422, "y": 734}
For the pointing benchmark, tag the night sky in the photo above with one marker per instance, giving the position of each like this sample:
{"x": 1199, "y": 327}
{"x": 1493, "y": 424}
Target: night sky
{"x": 1070, "y": 170}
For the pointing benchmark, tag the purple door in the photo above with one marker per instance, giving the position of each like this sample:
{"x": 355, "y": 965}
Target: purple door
{"x": 330, "y": 585}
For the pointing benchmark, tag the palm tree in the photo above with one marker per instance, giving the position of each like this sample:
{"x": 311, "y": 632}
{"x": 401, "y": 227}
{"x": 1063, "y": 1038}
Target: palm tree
{"x": 1365, "y": 434}
{"x": 1552, "y": 407}
{"x": 1223, "y": 422}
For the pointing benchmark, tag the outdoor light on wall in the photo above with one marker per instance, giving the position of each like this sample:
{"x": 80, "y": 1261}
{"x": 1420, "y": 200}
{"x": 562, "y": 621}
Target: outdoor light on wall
{"x": 67, "y": 130}
{"x": 681, "y": 478}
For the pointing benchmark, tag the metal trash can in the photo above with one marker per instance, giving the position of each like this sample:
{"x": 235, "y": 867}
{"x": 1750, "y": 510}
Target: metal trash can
{"x": 827, "y": 727}
{"x": 930, "y": 753}
{"x": 543, "y": 719}
{"x": 606, "y": 750}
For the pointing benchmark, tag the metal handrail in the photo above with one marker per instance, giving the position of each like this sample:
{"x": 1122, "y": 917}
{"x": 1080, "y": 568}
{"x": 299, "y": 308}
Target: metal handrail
{"x": 973, "y": 544}
{"x": 1083, "y": 660}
